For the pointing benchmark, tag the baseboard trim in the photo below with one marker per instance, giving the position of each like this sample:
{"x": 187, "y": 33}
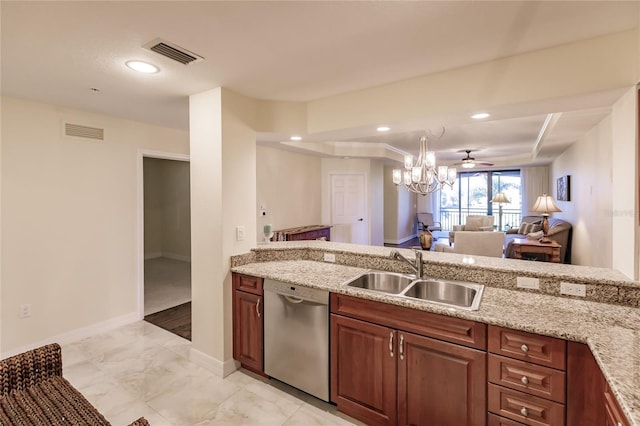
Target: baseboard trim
{"x": 176, "y": 256}
{"x": 77, "y": 334}
{"x": 219, "y": 368}
{"x": 400, "y": 241}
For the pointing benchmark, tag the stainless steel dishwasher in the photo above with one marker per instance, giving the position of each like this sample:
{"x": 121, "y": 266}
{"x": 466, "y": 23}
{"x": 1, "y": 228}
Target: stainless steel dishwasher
{"x": 296, "y": 336}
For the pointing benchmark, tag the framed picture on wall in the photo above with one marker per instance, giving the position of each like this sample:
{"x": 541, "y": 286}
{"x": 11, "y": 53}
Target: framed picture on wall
{"x": 564, "y": 188}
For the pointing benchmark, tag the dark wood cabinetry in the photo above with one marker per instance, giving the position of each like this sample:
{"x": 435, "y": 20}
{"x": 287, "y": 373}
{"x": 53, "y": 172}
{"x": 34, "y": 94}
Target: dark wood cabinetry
{"x": 590, "y": 400}
{"x": 385, "y": 375}
{"x": 248, "y": 322}
{"x": 363, "y": 373}
{"x": 527, "y": 378}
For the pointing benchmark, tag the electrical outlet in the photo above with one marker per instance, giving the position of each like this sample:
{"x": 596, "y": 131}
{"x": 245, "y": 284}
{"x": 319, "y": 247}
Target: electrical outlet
{"x": 528, "y": 282}
{"x": 571, "y": 289}
{"x": 25, "y": 311}
{"x": 329, "y": 257}
{"x": 240, "y": 233}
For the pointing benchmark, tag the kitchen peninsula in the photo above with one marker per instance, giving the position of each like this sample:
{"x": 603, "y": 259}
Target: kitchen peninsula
{"x": 607, "y": 319}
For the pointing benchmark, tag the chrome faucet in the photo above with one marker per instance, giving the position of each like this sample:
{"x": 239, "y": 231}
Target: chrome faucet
{"x": 415, "y": 265}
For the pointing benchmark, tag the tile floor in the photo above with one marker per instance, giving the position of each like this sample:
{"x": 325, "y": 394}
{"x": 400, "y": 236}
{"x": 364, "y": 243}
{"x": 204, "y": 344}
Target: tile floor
{"x": 167, "y": 283}
{"x": 142, "y": 370}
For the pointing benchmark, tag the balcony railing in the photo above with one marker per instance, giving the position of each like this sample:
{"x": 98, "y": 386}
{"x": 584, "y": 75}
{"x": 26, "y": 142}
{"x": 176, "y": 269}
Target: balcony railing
{"x": 511, "y": 218}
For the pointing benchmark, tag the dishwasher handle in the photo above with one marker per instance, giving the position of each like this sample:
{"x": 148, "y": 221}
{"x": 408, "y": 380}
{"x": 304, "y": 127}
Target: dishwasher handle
{"x": 292, "y": 299}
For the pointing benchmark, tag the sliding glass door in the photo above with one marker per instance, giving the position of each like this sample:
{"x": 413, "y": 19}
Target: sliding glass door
{"x": 472, "y": 195}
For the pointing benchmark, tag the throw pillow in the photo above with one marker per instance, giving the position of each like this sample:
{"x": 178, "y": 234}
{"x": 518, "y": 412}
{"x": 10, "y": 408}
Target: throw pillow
{"x": 528, "y": 228}
{"x": 474, "y": 223}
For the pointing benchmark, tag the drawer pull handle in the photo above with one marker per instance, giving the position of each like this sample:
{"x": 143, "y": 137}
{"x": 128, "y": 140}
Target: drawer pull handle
{"x": 258, "y": 308}
{"x": 401, "y": 346}
{"x": 524, "y": 348}
{"x": 524, "y": 411}
{"x": 524, "y": 380}
{"x": 391, "y": 344}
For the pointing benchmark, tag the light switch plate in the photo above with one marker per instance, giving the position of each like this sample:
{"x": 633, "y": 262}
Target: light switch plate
{"x": 329, "y": 257}
{"x": 528, "y": 282}
{"x": 240, "y": 233}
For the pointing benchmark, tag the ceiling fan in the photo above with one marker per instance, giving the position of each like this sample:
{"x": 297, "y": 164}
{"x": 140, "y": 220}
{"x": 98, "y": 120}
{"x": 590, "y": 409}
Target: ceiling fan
{"x": 469, "y": 162}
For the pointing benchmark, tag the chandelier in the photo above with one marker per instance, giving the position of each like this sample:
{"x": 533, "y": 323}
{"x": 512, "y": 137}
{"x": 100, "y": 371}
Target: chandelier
{"x": 424, "y": 177}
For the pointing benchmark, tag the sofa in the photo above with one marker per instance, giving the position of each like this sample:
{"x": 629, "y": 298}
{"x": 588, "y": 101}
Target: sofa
{"x": 35, "y": 393}
{"x": 559, "y": 230}
{"x": 476, "y": 243}
{"x": 473, "y": 223}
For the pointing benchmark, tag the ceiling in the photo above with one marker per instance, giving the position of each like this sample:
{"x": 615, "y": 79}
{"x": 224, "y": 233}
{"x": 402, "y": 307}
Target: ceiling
{"x": 56, "y": 52}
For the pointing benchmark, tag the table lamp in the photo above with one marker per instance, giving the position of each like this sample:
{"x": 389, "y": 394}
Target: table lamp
{"x": 545, "y": 205}
{"x": 500, "y": 198}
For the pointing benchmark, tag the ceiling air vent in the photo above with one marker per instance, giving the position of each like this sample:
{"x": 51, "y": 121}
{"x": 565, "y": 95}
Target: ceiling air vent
{"x": 86, "y": 132}
{"x": 173, "y": 51}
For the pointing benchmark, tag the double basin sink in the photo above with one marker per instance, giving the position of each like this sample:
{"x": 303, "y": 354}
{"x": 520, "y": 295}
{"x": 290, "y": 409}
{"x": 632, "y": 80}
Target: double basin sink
{"x": 455, "y": 294}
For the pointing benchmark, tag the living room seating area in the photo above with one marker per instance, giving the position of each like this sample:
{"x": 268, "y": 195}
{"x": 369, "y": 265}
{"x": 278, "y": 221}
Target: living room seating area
{"x": 559, "y": 231}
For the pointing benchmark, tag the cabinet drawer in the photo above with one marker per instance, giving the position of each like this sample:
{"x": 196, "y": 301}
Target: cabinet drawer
{"x": 524, "y": 408}
{"x": 493, "y": 420}
{"x": 450, "y": 329}
{"x": 526, "y": 377}
{"x": 542, "y": 350}
{"x": 247, "y": 283}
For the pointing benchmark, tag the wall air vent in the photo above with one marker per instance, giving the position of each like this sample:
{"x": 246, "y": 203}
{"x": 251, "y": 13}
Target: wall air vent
{"x": 173, "y": 51}
{"x": 86, "y": 132}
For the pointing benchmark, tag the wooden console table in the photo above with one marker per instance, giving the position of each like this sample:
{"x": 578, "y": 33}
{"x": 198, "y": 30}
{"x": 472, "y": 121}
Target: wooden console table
{"x": 522, "y": 245}
{"x": 313, "y": 232}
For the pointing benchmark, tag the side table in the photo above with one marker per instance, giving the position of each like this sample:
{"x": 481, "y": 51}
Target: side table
{"x": 523, "y": 245}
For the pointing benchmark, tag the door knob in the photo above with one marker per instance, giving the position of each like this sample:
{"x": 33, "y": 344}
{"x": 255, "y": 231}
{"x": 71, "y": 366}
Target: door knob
{"x": 360, "y": 220}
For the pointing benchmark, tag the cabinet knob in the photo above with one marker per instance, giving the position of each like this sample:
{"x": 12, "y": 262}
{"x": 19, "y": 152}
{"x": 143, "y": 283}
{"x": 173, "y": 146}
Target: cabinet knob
{"x": 524, "y": 380}
{"x": 524, "y": 411}
{"x": 524, "y": 348}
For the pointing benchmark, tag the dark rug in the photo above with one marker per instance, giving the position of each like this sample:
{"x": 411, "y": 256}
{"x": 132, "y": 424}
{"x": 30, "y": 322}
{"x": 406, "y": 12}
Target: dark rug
{"x": 176, "y": 320}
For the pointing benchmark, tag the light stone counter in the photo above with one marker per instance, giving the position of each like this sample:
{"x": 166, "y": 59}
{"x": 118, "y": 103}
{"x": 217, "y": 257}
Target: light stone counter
{"x": 612, "y": 330}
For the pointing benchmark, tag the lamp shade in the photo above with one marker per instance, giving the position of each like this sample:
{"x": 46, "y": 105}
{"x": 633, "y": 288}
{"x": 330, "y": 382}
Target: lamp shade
{"x": 545, "y": 204}
{"x": 500, "y": 197}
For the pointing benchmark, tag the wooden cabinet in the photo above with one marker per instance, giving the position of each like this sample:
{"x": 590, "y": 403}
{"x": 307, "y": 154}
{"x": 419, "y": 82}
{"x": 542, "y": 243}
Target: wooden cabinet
{"x": 439, "y": 383}
{"x": 385, "y": 375}
{"x": 527, "y": 378}
{"x": 363, "y": 370}
{"x": 248, "y": 322}
{"x": 590, "y": 399}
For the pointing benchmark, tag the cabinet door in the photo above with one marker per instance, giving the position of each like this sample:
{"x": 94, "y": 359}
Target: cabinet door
{"x": 613, "y": 412}
{"x": 585, "y": 387}
{"x": 247, "y": 330}
{"x": 440, "y": 383}
{"x": 363, "y": 370}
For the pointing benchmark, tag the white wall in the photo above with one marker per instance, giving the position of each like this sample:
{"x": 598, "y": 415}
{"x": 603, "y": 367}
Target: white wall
{"x": 400, "y": 207}
{"x": 69, "y": 219}
{"x": 588, "y": 162}
{"x": 289, "y": 186}
{"x": 625, "y": 185}
{"x": 377, "y": 201}
{"x": 167, "y": 224}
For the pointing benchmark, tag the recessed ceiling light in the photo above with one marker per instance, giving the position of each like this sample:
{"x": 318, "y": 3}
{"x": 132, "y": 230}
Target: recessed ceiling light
{"x": 480, "y": 115}
{"x": 383, "y": 129}
{"x": 296, "y": 138}
{"x": 143, "y": 67}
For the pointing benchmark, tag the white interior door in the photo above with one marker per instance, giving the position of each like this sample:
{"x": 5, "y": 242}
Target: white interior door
{"x": 348, "y": 209}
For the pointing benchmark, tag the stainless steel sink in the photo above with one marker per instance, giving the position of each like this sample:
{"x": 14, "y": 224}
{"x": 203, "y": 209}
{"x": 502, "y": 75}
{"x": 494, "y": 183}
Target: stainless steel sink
{"x": 450, "y": 293}
{"x": 386, "y": 282}
{"x": 455, "y": 294}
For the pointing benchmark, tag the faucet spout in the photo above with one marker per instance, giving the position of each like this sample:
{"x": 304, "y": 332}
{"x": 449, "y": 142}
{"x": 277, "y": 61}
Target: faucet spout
{"x": 416, "y": 264}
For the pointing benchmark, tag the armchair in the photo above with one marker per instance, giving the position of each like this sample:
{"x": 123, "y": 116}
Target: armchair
{"x": 473, "y": 223}
{"x": 425, "y": 221}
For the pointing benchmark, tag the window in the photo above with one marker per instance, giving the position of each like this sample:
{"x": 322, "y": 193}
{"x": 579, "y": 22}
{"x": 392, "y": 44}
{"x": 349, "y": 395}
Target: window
{"x": 472, "y": 195}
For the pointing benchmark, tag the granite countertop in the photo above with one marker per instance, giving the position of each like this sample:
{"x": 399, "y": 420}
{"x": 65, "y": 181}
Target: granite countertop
{"x": 611, "y": 331}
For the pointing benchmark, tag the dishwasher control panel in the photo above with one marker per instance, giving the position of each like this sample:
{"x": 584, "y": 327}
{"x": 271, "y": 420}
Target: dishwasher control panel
{"x": 301, "y": 292}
